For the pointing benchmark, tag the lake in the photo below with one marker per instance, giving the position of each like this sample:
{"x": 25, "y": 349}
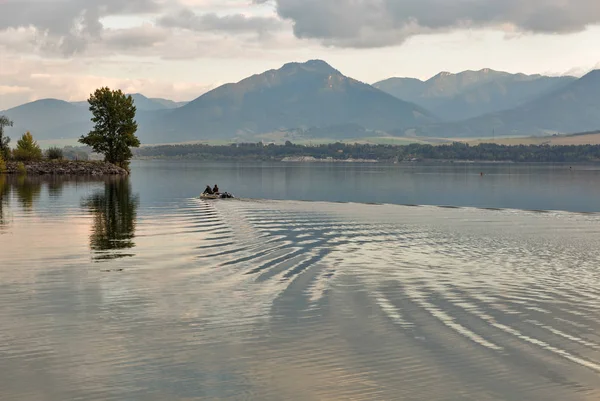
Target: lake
{"x": 320, "y": 282}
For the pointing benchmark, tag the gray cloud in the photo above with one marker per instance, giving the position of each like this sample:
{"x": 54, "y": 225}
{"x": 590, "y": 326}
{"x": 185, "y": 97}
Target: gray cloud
{"x": 371, "y": 23}
{"x": 187, "y": 19}
{"x": 134, "y": 38}
{"x": 68, "y": 25}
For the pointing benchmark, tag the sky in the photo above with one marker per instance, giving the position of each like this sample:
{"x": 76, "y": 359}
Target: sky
{"x": 179, "y": 49}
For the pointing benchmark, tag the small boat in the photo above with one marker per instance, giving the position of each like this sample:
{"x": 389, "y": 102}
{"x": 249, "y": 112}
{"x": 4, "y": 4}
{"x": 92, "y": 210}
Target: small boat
{"x": 224, "y": 195}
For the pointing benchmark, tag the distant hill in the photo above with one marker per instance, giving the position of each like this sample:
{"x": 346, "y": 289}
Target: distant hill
{"x": 330, "y": 132}
{"x": 168, "y": 104}
{"x": 48, "y": 119}
{"x": 57, "y": 119}
{"x": 468, "y": 94}
{"x": 296, "y": 96}
{"x": 143, "y": 103}
{"x": 574, "y": 107}
{"x": 583, "y": 138}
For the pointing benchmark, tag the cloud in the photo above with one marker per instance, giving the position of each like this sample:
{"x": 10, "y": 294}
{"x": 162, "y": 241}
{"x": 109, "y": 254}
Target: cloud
{"x": 71, "y": 27}
{"x": 374, "y": 23}
{"x": 211, "y": 22}
{"x": 74, "y": 28}
{"x": 134, "y": 38}
{"x": 67, "y": 26}
{"x": 575, "y": 71}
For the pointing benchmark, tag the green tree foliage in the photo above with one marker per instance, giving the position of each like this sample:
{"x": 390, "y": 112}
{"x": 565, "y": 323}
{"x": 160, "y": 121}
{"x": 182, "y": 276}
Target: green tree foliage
{"x": 21, "y": 169}
{"x": 4, "y": 140}
{"x": 2, "y": 165}
{"x": 54, "y": 153}
{"x": 27, "y": 149}
{"x": 115, "y": 126}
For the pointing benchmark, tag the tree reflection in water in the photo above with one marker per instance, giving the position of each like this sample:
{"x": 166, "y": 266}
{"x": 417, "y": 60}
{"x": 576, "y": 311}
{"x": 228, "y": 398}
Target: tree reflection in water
{"x": 115, "y": 211}
{"x": 28, "y": 191}
{"x": 4, "y": 195}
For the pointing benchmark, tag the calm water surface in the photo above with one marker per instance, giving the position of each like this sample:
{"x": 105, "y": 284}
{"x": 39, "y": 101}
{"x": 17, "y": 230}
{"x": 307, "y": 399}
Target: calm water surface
{"x": 134, "y": 289}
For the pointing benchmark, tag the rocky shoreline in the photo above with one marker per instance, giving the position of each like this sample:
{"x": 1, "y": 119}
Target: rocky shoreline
{"x": 66, "y": 167}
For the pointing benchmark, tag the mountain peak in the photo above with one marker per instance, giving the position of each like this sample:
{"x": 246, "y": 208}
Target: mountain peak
{"x": 297, "y": 95}
{"x": 47, "y": 102}
{"x": 311, "y": 65}
{"x": 316, "y": 63}
{"x": 595, "y": 74}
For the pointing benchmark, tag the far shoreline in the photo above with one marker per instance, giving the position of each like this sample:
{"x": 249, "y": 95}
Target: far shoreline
{"x": 309, "y": 160}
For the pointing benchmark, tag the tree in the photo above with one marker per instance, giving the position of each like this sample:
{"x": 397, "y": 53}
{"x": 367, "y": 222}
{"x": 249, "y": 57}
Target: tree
{"x": 54, "y": 153}
{"x": 27, "y": 149}
{"x": 115, "y": 126}
{"x": 4, "y": 140}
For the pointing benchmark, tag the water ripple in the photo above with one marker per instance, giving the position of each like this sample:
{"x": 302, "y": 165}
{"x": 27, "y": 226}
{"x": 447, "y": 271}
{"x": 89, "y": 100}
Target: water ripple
{"x": 305, "y": 300}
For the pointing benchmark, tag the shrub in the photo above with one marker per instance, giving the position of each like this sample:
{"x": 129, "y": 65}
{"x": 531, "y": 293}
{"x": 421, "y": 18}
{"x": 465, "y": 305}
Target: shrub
{"x": 54, "y": 153}
{"x": 27, "y": 149}
{"x": 2, "y": 165}
{"x": 73, "y": 154}
{"x": 21, "y": 168}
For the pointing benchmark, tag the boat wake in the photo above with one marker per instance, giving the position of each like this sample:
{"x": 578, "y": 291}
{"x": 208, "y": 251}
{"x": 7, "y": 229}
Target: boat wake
{"x": 270, "y": 300}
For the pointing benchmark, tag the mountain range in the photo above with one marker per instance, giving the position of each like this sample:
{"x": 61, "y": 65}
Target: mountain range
{"x": 469, "y": 94}
{"x": 298, "y": 95}
{"x": 570, "y": 108}
{"x": 316, "y": 100}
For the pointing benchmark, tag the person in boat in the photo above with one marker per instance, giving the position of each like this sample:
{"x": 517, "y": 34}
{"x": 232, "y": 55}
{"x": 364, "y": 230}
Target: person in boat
{"x": 216, "y": 190}
{"x": 208, "y": 191}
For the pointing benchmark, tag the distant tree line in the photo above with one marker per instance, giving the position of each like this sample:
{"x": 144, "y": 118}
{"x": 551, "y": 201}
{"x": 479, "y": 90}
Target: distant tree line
{"x": 385, "y": 153}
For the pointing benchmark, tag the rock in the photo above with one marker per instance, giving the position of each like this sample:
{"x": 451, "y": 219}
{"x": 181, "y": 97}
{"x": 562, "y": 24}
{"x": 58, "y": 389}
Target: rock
{"x": 66, "y": 167}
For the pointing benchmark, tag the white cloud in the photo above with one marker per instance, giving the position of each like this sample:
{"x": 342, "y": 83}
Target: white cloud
{"x": 577, "y": 71}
